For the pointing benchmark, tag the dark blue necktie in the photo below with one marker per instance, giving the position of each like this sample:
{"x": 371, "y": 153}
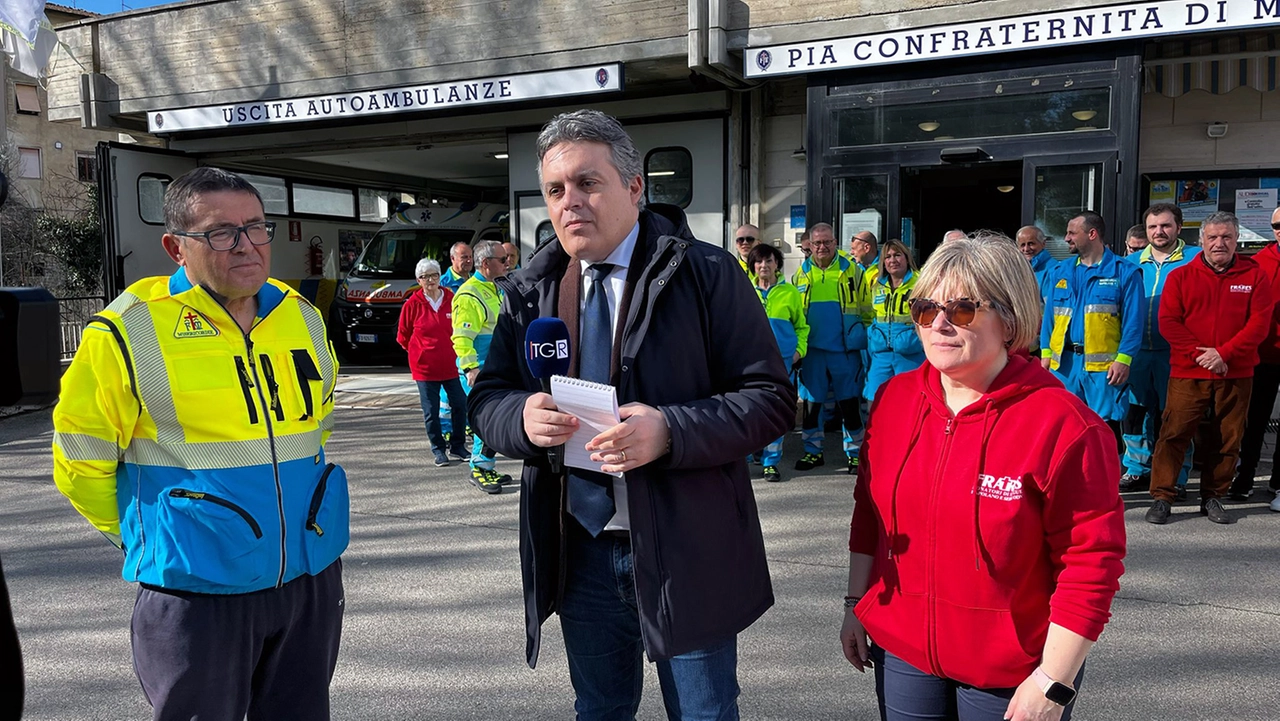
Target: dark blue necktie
{"x": 591, "y": 493}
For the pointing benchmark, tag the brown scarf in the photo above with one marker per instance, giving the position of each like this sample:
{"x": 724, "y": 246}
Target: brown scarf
{"x": 567, "y": 306}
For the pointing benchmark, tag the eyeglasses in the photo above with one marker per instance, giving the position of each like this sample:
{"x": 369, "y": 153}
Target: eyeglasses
{"x": 959, "y": 312}
{"x": 433, "y": 276}
{"x": 745, "y": 239}
{"x": 1275, "y": 226}
{"x": 228, "y": 238}
{"x": 822, "y": 243}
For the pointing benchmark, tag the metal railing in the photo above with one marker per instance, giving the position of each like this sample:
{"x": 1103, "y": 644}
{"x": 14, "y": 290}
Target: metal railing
{"x": 75, "y": 313}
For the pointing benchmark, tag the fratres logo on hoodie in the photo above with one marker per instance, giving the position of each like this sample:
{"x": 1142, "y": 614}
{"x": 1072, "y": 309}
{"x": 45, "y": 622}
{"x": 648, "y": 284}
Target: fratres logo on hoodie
{"x": 1005, "y": 488}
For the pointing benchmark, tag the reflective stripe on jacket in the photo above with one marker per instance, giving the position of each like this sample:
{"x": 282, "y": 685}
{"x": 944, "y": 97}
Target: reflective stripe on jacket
{"x": 1108, "y": 300}
{"x": 203, "y": 446}
{"x": 887, "y": 316}
{"x": 832, "y": 303}
{"x": 785, "y": 309}
{"x": 475, "y": 315}
{"x": 1154, "y": 275}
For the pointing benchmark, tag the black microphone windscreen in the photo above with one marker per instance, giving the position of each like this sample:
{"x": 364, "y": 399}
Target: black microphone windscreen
{"x": 546, "y": 344}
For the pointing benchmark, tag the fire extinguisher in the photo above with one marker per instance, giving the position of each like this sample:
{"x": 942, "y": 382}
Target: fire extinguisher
{"x": 315, "y": 257}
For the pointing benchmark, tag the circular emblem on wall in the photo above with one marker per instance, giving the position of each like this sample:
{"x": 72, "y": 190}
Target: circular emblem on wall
{"x": 159, "y": 120}
{"x": 764, "y": 60}
{"x": 602, "y": 77}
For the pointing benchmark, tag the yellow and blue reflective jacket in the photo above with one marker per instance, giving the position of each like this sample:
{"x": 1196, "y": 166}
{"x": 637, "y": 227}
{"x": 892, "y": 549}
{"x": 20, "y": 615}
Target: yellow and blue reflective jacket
{"x": 785, "y": 309}
{"x": 1154, "y": 274}
{"x": 887, "y": 315}
{"x": 833, "y": 304}
{"x": 201, "y": 446}
{"x": 475, "y": 315}
{"x": 1099, "y": 307}
{"x": 452, "y": 280}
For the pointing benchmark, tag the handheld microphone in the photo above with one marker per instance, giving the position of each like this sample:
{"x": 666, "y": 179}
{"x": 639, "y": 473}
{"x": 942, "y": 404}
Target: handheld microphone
{"x": 546, "y": 350}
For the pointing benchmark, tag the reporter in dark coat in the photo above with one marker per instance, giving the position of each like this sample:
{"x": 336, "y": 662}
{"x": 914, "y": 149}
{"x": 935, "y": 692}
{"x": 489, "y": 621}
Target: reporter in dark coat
{"x": 700, "y": 386}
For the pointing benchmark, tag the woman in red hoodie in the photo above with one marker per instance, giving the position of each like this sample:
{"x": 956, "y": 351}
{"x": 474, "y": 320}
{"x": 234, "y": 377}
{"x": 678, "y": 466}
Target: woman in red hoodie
{"x": 988, "y": 534}
{"x": 426, "y": 327}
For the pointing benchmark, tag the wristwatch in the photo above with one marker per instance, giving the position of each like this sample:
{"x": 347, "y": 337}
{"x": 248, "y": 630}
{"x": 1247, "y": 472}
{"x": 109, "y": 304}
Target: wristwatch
{"x": 1059, "y": 693}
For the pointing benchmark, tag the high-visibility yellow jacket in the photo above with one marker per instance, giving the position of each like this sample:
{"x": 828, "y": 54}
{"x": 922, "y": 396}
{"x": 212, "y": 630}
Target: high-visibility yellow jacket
{"x": 475, "y": 315}
{"x": 1095, "y": 309}
{"x": 832, "y": 299}
{"x": 201, "y": 447}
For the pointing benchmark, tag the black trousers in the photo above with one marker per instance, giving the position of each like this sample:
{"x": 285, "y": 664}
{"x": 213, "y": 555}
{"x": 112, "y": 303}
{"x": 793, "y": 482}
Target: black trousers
{"x": 267, "y": 655}
{"x": 1266, "y": 381}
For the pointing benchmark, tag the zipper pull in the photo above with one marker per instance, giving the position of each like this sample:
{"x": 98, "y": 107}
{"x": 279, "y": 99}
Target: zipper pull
{"x": 947, "y": 430}
{"x": 313, "y": 526}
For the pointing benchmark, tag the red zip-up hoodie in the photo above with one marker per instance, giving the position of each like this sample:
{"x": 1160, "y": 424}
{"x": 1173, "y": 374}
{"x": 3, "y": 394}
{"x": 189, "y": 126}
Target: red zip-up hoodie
{"x": 1269, "y": 260}
{"x": 1230, "y": 311}
{"x": 986, "y": 525}
{"x": 427, "y": 336}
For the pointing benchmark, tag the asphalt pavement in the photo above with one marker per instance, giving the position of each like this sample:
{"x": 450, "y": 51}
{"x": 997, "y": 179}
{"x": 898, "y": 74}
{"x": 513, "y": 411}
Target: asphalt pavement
{"x": 434, "y": 623}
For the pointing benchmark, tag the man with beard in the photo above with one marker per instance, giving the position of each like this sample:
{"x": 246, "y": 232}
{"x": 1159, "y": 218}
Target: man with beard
{"x": 1092, "y": 323}
{"x": 1149, "y": 373}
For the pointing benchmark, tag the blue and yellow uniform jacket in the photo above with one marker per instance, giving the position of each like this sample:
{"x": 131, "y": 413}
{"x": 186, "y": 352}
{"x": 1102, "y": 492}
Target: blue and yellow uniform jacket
{"x": 1154, "y": 274}
{"x": 785, "y": 309}
{"x": 475, "y": 315}
{"x": 832, "y": 303}
{"x": 452, "y": 280}
{"x": 200, "y": 448}
{"x": 1099, "y": 307}
{"x": 887, "y": 316}
{"x": 1042, "y": 267}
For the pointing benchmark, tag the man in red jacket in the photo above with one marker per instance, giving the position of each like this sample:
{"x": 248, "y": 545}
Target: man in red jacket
{"x": 1266, "y": 381}
{"x": 1214, "y": 312}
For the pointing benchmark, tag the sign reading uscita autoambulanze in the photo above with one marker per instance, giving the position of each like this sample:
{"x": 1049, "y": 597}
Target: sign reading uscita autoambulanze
{"x": 1028, "y": 32}
{"x": 415, "y": 98}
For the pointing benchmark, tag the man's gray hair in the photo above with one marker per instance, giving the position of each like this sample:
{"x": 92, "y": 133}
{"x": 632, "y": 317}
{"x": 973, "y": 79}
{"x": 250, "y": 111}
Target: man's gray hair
{"x": 426, "y": 265}
{"x": 1222, "y": 217}
{"x": 484, "y": 250}
{"x": 454, "y": 247}
{"x": 595, "y": 127}
{"x": 181, "y": 194}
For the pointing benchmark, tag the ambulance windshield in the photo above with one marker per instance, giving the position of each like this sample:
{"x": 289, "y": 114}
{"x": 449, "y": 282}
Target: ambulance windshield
{"x": 393, "y": 254}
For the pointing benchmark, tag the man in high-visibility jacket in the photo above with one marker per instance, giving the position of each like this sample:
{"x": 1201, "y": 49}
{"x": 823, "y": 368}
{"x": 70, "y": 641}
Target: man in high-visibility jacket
{"x": 745, "y": 238}
{"x": 475, "y": 315}
{"x": 831, "y": 286}
{"x": 1149, "y": 373}
{"x": 1093, "y": 317}
{"x": 460, "y": 269}
{"x": 190, "y": 431}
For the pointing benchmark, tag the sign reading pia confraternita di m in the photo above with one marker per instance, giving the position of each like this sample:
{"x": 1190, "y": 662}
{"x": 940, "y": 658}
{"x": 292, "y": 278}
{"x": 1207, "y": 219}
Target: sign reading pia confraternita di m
{"x": 385, "y": 101}
{"x": 1027, "y": 32}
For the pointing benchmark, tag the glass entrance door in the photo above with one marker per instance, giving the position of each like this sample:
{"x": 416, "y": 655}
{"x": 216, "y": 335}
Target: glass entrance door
{"x": 1057, "y": 188}
{"x": 865, "y": 199}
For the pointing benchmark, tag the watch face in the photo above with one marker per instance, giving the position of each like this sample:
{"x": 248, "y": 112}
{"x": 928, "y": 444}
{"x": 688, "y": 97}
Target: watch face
{"x": 1060, "y": 694}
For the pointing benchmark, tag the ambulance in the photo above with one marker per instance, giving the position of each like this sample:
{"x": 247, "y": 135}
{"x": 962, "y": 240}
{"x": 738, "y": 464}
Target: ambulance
{"x": 366, "y": 308}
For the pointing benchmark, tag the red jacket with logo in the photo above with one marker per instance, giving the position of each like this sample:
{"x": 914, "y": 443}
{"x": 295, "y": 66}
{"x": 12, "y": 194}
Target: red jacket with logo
{"x": 1230, "y": 311}
{"x": 987, "y": 525}
{"x": 426, "y": 334}
{"x": 1269, "y": 260}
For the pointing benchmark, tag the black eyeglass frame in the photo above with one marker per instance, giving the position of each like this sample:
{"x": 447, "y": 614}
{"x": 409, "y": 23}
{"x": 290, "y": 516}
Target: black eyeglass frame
{"x": 206, "y": 236}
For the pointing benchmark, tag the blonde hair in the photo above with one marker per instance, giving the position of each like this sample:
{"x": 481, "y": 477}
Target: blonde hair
{"x": 987, "y": 266}
{"x": 901, "y": 247}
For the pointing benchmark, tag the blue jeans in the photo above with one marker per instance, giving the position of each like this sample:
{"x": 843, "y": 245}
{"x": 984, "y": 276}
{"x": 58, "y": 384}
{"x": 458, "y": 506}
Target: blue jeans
{"x": 601, "y": 629}
{"x": 905, "y": 693}
{"x": 428, "y": 395}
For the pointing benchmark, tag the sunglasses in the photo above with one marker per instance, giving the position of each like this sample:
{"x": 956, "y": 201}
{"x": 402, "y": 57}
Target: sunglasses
{"x": 1275, "y": 226}
{"x": 959, "y": 312}
{"x": 745, "y": 239}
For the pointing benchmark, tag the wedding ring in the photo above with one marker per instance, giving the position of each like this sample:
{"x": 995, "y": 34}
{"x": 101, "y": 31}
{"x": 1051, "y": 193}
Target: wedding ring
{"x": 622, "y": 456}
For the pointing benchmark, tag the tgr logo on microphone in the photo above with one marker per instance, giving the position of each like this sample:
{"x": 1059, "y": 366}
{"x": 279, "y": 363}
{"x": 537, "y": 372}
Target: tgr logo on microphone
{"x": 547, "y": 349}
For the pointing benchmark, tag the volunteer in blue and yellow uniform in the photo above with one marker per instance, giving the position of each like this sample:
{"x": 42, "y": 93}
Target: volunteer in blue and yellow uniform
{"x": 785, "y": 310}
{"x": 1149, "y": 374}
{"x": 864, "y": 250}
{"x": 190, "y": 431}
{"x": 460, "y": 269}
{"x": 475, "y": 315}
{"x": 1031, "y": 241}
{"x": 1093, "y": 319}
{"x": 831, "y": 288}
{"x": 745, "y": 238}
{"x": 892, "y": 342}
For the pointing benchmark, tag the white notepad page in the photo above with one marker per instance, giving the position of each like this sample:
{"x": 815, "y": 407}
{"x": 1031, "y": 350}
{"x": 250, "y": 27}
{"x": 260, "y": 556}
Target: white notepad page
{"x": 595, "y": 405}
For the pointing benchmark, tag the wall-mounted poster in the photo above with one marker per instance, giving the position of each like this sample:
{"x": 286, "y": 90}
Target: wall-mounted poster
{"x": 1198, "y": 199}
{"x": 1254, "y": 207}
{"x": 350, "y": 243}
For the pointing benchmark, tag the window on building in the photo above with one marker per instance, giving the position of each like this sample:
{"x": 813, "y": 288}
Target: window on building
{"x": 28, "y": 99}
{"x": 86, "y": 167}
{"x": 29, "y": 165}
{"x": 321, "y": 200}
{"x": 274, "y": 192}
{"x": 668, "y": 176}
{"x": 151, "y": 189}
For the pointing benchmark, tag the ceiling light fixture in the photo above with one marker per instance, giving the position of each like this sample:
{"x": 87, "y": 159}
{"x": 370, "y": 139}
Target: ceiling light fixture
{"x": 1085, "y": 116}
{"x": 658, "y": 173}
{"x": 929, "y": 126}
{"x": 500, "y": 156}
{"x": 1005, "y": 188}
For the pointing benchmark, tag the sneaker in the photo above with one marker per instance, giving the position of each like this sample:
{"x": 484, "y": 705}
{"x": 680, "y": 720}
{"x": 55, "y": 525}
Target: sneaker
{"x": 1275, "y": 504}
{"x": 1159, "y": 513}
{"x": 1134, "y": 482}
{"x": 1239, "y": 495}
{"x": 502, "y": 478}
{"x": 461, "y": 454}
{"x": 1216, "y": 513}
{"x": 853, "y": 465}
{"x": 1182, "y": 493}
{"x": 481, "y": 478}
{"x": 809, "y": 461}
{"x": 441, "y": 459}
{"x": 771, "y": 474}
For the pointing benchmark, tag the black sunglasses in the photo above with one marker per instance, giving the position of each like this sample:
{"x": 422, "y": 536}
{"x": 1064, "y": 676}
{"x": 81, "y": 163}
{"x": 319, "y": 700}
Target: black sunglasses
{"x": 745, "y": 239}
{"x": 1275, "y": 226}
{"x": 959, "y": 312}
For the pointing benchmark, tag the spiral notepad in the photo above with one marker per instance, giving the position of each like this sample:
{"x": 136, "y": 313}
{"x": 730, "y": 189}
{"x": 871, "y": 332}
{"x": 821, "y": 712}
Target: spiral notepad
{"x": 595, "y": 405}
